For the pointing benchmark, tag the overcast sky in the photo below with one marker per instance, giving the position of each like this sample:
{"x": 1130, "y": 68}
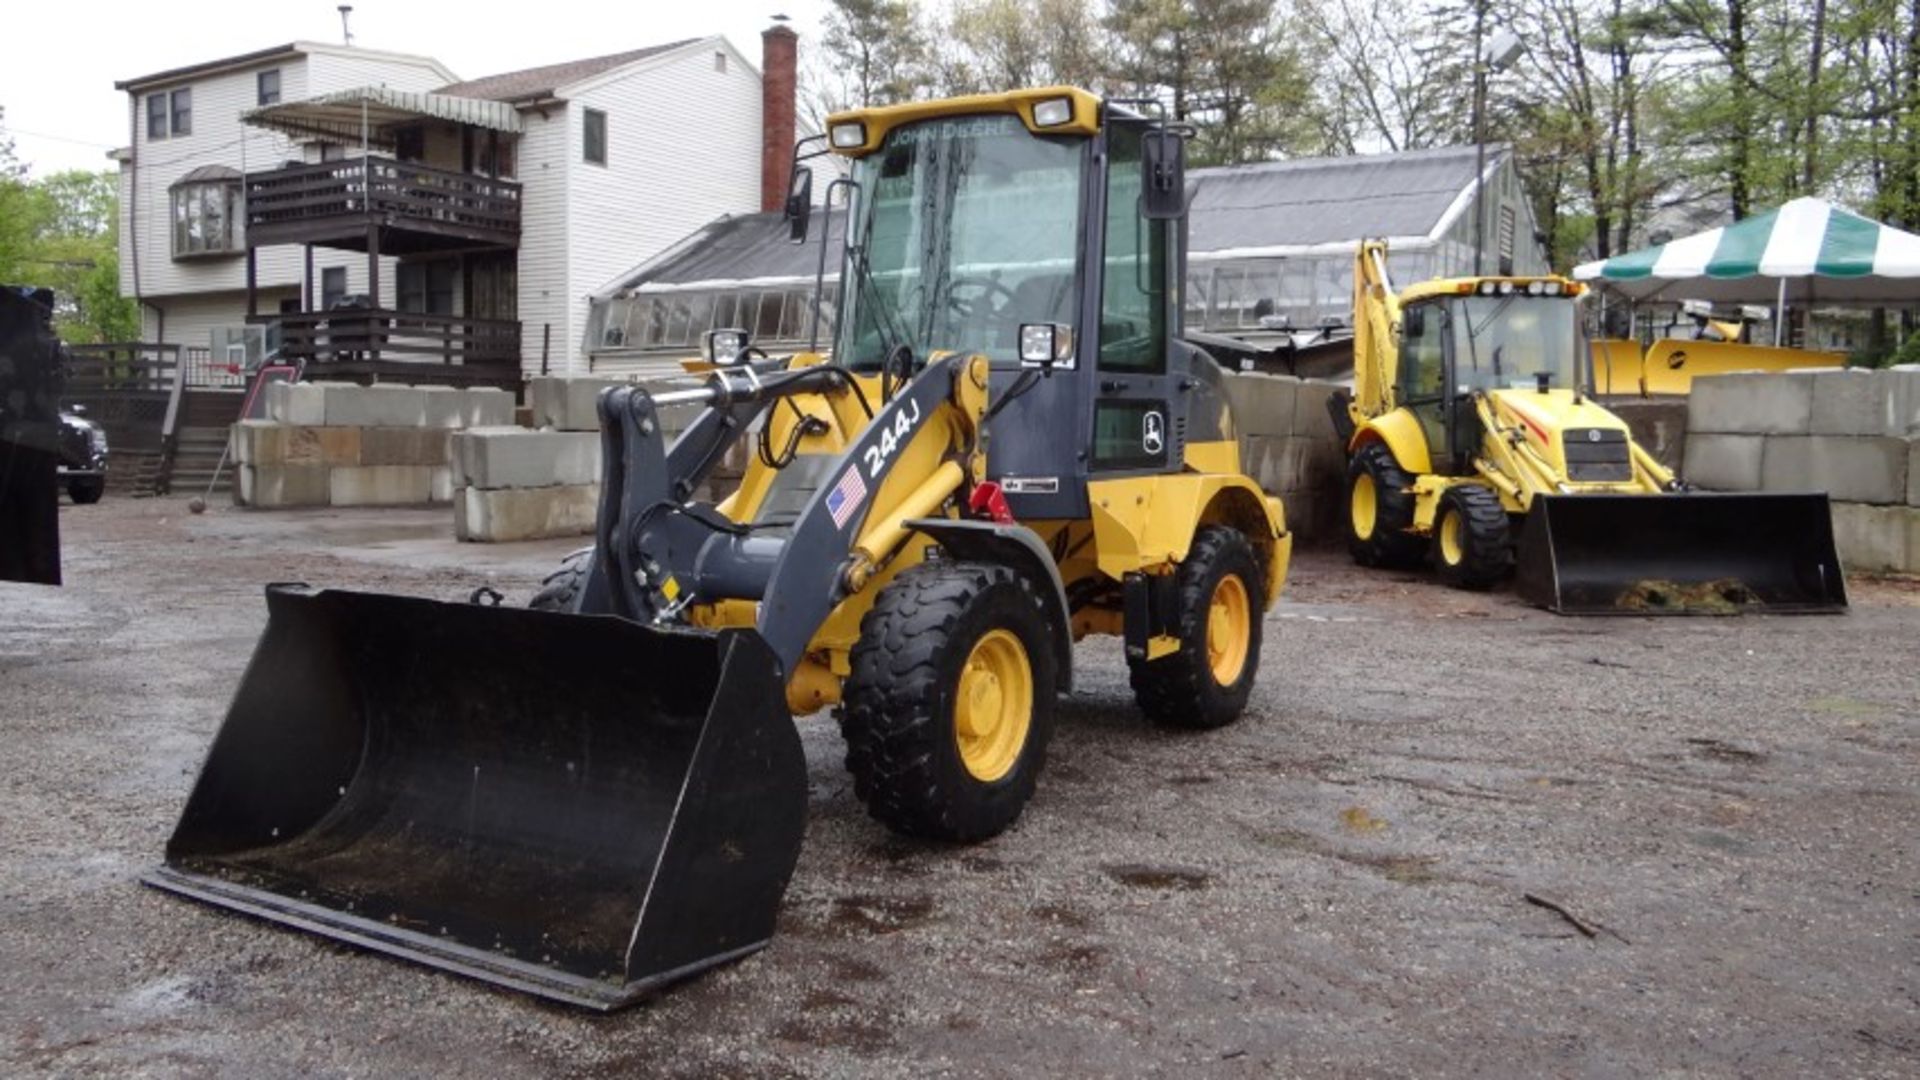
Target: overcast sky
{"x": 59, "y": 60}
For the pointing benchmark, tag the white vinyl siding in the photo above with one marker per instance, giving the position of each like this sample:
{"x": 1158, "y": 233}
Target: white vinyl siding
{"x": 546, "y": 155}
{"x": 650, "y": 195}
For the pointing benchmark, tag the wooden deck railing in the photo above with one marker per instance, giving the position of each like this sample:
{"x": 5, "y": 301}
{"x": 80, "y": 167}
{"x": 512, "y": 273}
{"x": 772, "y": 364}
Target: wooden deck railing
{"x": 303, "y": 202}
{"x": 414, "y": 340}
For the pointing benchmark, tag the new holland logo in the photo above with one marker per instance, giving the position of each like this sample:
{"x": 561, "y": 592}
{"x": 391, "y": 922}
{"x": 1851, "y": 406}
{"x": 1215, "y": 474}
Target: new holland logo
{"x": 1593, "y": 434}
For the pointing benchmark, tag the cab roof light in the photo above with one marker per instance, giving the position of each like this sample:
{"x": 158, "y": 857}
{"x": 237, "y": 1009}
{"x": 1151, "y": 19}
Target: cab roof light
{"x": 850, "y": 135}
{"x": 1052, "y": 112}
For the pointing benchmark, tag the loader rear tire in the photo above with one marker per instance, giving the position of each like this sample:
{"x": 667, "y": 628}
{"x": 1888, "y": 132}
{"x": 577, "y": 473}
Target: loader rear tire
{"x": 1205, "y": 683}
{"x": 1380, "y": 510}
{"x": 562, "y": 587}
{"x": 948, "y": 705}
{"x": 1471, "y": 548}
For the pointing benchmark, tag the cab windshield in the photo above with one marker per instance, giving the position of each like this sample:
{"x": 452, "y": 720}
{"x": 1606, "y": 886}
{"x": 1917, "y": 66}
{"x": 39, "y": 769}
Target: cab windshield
{"x": 1506, "y": 342}
{"x": 969, "y": 228}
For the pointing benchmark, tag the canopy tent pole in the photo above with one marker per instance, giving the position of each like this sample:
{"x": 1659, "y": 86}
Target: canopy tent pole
{"x": 1780, "y": 315}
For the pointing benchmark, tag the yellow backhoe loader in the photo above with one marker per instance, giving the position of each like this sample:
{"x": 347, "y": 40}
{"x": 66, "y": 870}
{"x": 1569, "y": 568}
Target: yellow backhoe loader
{"x": 1710, "y": 346}
{"x": 1009, "y": 446}
{"x": 1472, "y": 426}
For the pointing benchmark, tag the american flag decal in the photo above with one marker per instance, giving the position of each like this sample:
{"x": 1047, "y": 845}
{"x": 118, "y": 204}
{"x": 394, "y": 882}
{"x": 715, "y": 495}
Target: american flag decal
{"x": 846, "y": 497}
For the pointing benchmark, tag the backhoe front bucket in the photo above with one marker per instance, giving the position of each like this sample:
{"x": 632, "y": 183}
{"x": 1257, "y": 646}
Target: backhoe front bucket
{"x": 576, "y": 806}
{"x": 1680, "y": 554}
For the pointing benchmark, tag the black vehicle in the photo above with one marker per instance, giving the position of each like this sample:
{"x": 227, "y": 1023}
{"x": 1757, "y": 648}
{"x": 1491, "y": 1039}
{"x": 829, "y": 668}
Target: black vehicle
{"x": 83, "y": 456}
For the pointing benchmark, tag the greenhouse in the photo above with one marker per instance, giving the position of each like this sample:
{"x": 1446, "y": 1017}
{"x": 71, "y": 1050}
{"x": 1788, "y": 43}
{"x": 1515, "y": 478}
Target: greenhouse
{"x": 1270, "y": 253}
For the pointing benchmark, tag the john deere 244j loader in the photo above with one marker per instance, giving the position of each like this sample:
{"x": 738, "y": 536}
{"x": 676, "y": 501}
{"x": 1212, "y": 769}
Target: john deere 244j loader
{"x": 1472, "y": 425}
{"x": 1008, "y": 447}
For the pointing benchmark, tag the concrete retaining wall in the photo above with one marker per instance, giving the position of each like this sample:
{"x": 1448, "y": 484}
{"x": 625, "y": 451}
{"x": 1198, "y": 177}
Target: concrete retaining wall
{"x": 1288, "y": 446}
{"x": 340, "y": 444}
{"x": 1852, "y": 434}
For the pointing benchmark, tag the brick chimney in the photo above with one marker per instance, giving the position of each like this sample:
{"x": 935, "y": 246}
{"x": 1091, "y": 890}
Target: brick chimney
{"x": 778, "y": 48}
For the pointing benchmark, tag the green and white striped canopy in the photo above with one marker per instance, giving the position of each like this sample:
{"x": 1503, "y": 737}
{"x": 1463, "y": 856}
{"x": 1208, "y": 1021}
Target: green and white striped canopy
{"x": 1821, "y": 253}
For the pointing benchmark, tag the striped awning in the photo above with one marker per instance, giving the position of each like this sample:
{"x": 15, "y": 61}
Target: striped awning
{"x": 1819, "y": 251}
{"x": 339, "y": 116}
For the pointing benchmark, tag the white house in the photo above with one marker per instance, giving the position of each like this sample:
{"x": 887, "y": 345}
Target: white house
{"x": 383, "y": 212}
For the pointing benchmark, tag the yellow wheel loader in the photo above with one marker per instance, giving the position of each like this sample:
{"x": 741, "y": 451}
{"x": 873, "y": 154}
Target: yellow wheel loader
{"x": 1008, "y": 447}
{"x": 1473, "y": 439}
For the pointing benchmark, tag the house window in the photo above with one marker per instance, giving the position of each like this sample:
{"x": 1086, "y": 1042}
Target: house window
{"x": 333, "y": 286}
{"x": 269, "y": 87}
{"x": 206, "y": 217}
{"x": 156, "y": 116}
{"x": 410, "y": 143}
{"x": 427, "y": 287}
{"x": 596, "y": 140}
{"x": 183, "y": 111}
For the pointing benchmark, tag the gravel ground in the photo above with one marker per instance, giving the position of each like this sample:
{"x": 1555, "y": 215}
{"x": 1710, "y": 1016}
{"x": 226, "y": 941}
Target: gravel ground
{"x": 1335, "y": 885}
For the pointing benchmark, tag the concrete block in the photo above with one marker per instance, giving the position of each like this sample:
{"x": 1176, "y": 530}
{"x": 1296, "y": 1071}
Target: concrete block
{"x": 446, "y": 406}
{"x": 1262, "y": 404}
{"x": 495, "y": 458}
{"x": 1850, "y": 468}
{"x": 1858, "y": 402}
{"x": 258, "y": 442}
{"x": 297, "y": 403}
{"x": 280, "y": 486}
{"x": 1723, "y": 462}
{"x": 1310, "y": 418}
{"x": 442, "y": 487}
{"x": 1751, "y": 403}
{"x": 1875, "y": 538}
{"x": 405, "y": 446}
{"x": 526, "y": 513}
{"x": 1913, "y": 472}
{"x": 487, "y": 406}
{"x": 385, "y": 405}
{"x": 381, "y": 485}
{"x": 1265, "y": 460}
{"x": 567, "y": 404}
{"x": 1659, "y": 425}
{"x": 321, "y": 446}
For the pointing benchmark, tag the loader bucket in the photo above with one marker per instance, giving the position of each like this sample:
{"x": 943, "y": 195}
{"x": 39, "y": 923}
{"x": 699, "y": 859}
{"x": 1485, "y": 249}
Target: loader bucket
{"x": 1680, "y": 554}
{"x": 576, "y": 806}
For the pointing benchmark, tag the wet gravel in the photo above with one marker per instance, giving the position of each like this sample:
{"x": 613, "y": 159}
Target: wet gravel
{"x": 1727, "y": 811}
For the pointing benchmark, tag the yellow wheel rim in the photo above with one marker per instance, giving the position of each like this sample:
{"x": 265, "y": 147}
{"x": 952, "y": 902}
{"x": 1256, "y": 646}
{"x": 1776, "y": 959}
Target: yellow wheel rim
{"x": 1229, "y": 630}
{"x": 1452, "y": 548}
{"x": 1365, "y": 504}
{"x": 993, "y": 707}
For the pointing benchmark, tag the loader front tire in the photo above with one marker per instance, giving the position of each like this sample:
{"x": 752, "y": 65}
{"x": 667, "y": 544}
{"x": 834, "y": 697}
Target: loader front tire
{"x": 948, "y": 705}
{"x": 1380, "y": 510}
{"x": 1471, "y": 549}
{"x": 1205, "y": 683}
{"x": 562, "y": 587}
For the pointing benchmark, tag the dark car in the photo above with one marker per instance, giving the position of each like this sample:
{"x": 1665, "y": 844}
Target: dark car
{"x": 83, "y": 456}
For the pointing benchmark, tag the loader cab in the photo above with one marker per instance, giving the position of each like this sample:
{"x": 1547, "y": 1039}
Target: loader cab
{"x": 1464, "y": 338}
{"x": 1014, "y": 225}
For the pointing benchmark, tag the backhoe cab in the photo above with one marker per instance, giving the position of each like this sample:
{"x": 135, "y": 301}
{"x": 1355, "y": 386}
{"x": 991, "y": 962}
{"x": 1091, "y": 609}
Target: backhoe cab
{"x": 1472, "y": 433}
{"x": 1008, "y": 447}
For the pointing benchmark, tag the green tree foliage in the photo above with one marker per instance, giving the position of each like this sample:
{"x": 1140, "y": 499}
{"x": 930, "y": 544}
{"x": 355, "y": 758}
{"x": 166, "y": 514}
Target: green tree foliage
{"x": 877, "y": 51}
{"x": 62, "y": 231}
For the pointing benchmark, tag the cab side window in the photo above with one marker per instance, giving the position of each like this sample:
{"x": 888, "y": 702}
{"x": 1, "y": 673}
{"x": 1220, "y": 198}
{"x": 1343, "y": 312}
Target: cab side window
{"x": 1133, "y": 326}
{"x": 1422, "y": 360}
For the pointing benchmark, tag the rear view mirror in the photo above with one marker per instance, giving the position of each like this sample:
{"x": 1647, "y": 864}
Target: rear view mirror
{"x": 1163, "y": 183}
{"x": 799, "y": 208}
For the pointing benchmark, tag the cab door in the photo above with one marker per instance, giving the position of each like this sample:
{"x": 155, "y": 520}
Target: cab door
{"x": 1135, "y": 365}
{"x": 1422, "y": 388}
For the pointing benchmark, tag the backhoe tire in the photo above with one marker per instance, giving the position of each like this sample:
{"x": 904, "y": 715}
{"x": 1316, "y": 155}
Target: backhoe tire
{"x": 949, "y": 704}
{"x": 1380, "y": 510}
{"x": 86, "y": 492}
{"x": 562, "y": 587}
{"x": 1471, "y": 546}
{"x": 1205, "y": 683}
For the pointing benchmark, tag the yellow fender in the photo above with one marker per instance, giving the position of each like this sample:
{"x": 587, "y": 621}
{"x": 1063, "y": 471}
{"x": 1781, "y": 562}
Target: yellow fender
{"x": 1145, "y": 524}
{"x": 1402, "y": 434}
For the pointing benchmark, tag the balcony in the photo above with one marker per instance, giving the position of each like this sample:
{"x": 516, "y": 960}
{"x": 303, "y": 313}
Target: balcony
{"x": 403, "y": 346}
{"x": 394, "y": 207}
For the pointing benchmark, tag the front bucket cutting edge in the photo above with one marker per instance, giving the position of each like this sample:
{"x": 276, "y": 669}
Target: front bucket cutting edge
{"x": 1680, "y": 554}
{"x": 576, "y": 806}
